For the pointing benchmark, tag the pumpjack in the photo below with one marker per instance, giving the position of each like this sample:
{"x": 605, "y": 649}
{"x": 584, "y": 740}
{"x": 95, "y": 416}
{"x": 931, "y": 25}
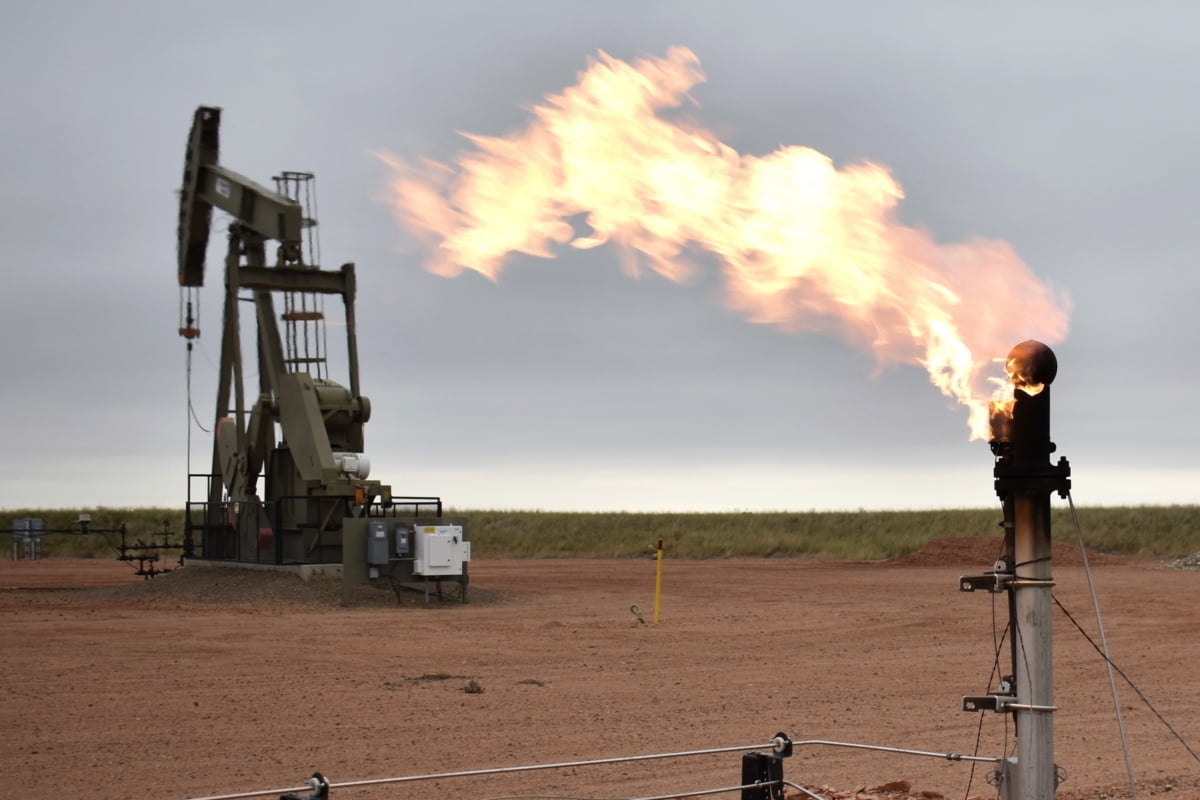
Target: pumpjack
{"x": 289, "y": 479}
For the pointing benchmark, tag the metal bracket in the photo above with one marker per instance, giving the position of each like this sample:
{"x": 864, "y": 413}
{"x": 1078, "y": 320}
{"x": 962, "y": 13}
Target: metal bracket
{"x": 1000, "y": 703}
{"x": 1044, "y": 583}
{"x": 994, "y": 582}
{"x": 318, "y": 789}
{"x": 1032, "y": 707}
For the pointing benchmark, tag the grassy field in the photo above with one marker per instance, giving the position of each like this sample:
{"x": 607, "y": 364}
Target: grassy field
{"x": 1150, "y": 531}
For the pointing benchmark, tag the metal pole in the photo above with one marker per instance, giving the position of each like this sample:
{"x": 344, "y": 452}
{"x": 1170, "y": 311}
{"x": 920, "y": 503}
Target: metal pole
{"x": 658, "y": 570}
{"x": 1033, "y": 647}
{"x": 1025, "y": 478}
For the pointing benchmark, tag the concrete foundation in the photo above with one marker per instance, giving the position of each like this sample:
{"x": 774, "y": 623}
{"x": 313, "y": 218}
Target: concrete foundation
{"x": 305, "y": 571}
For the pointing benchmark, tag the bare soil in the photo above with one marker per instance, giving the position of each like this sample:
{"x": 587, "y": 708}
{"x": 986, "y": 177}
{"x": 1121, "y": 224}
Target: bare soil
{"x": 219, "y": 681}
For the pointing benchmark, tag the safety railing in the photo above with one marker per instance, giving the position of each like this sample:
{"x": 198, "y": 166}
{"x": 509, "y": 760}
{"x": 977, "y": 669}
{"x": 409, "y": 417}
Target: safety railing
{"x": 254, "y": 531}
{"x": 761, "y": 771}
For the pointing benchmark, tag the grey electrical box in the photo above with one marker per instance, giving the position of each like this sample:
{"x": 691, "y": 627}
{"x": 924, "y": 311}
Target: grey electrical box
{"x": 404, "y": 552}
{"x": 27, "y": 538}
{"x": 377, "y": 544}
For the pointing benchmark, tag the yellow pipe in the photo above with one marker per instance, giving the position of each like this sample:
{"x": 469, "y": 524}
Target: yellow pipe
{"x": 658, "y": 582}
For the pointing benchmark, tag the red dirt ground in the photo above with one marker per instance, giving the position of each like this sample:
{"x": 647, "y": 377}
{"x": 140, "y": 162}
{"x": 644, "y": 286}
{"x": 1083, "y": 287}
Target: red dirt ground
{"x": 215, "y": 681}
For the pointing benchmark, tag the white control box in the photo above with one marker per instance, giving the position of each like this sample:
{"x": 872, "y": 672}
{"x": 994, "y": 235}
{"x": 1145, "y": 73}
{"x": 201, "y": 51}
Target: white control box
{"x": 439, "y": 550}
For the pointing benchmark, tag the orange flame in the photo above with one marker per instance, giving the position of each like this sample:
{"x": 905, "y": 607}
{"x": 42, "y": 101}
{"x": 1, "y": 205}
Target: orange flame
{"x": 802, "y": 245}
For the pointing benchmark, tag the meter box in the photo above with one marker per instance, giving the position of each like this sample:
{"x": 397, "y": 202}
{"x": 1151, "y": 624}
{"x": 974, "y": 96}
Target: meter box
{"x": 377, "y": 543}
{"x": 439, "y": 549}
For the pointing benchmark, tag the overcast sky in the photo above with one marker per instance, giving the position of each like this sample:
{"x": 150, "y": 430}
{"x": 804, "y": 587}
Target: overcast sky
{"x": 1068, "y": 130}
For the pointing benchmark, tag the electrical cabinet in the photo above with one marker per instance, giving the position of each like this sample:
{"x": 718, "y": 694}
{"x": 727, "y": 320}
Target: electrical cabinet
{"x": 377, "y": 544}
{"x": 440, "y": 549}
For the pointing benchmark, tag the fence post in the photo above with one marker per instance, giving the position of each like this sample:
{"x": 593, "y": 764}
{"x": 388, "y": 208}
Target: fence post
{"x": 762, "y": 773}
{"x": 765, "y": 770}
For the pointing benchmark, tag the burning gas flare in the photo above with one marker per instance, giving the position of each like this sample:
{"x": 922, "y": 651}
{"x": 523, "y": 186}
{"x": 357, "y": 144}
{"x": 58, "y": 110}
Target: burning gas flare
{"x": 802, "y": 245}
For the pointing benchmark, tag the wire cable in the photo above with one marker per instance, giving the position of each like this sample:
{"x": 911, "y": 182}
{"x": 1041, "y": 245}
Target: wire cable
{"x": 673, "y": 796}
{"x": 547, "y": 797}
{"x": 470, "y": 773}
{"x": 1112, "y": 681}
{"x": 191, "y": 408}
{"x": 997, "y": 646}
{"x": 803, "y": 790}
{"x": 1128, "y": 680}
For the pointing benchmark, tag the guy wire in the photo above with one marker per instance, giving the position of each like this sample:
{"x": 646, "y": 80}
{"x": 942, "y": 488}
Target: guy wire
{"x": 1112, "y": 681}
{"x": 997, "y": 646}
{"x": 1145, "y": 700}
